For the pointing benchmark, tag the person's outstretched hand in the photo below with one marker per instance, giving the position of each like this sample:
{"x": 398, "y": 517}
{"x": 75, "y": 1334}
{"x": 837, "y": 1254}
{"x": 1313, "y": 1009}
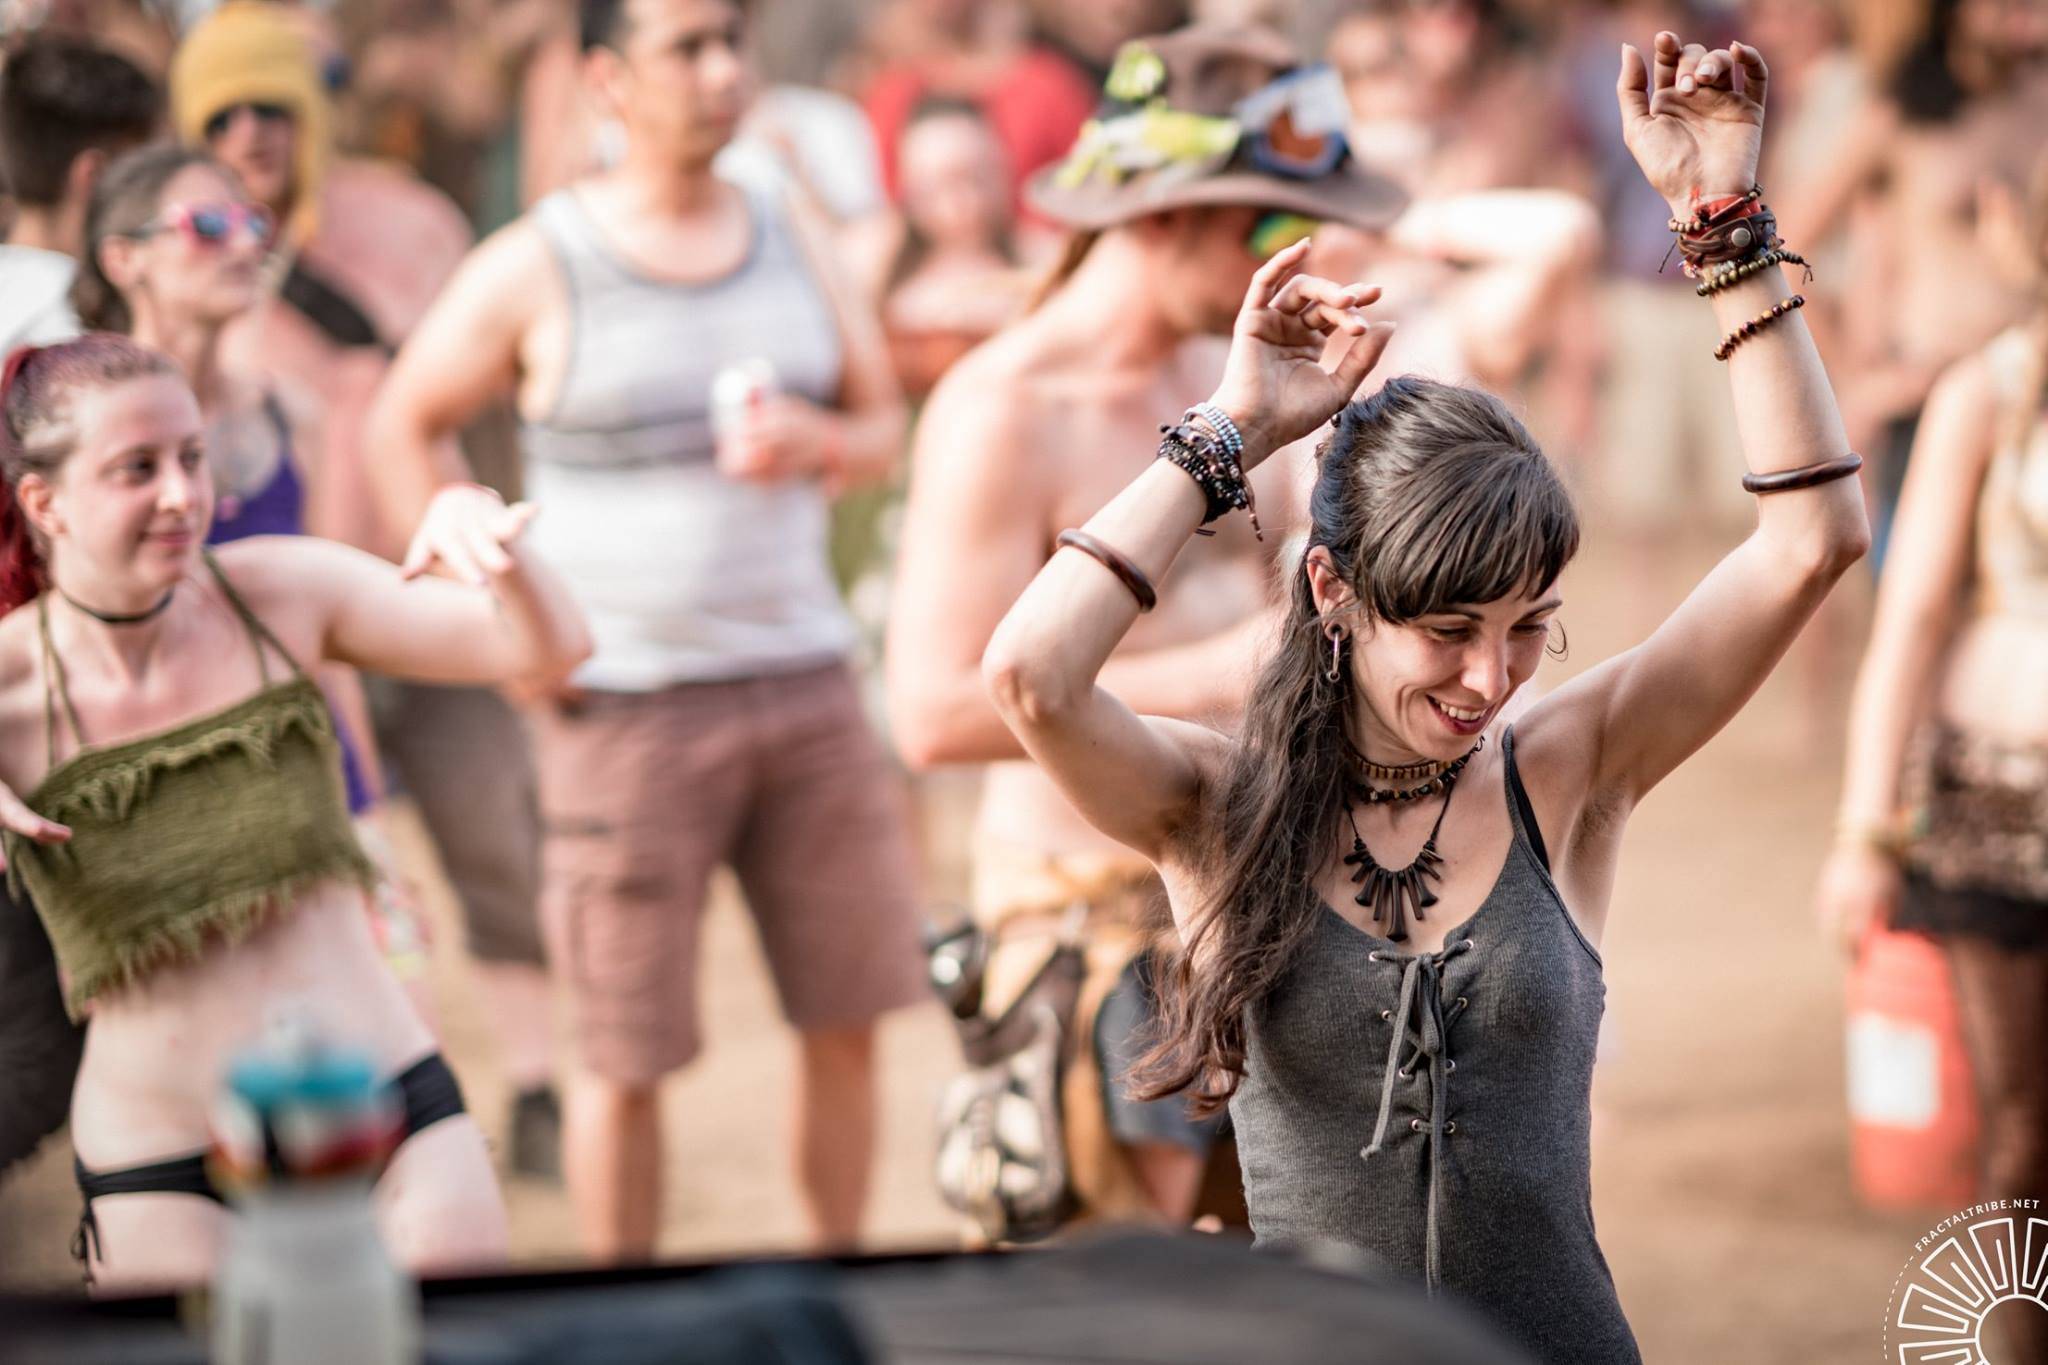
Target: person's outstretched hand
{"x": 1690, "y": 127}
{"x": 1301, "y": 348}
{"x": 468, "y": 528}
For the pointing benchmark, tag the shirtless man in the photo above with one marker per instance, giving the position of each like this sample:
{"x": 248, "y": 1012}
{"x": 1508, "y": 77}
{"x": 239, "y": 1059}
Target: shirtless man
{"x": 1031, "y": 433}
{"x": 1963, "y": 111}
{"x": 717, "y": 722}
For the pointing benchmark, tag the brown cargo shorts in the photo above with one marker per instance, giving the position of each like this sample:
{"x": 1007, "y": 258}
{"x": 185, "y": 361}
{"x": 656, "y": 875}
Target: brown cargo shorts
{"x": 782, "y": 779}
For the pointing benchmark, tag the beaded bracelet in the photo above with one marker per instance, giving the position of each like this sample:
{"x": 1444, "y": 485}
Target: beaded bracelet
{"x": 1205, "y": 459}
{"x": 1757, "y": 324}
{"x": 1727, "y": 276}
{"x": 1219, "y": 421}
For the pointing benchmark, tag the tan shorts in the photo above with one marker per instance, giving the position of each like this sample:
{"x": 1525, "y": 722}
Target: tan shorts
{"x": 643, "y": 794}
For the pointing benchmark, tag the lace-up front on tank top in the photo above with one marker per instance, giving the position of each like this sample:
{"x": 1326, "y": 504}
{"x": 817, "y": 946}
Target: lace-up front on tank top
{"x": 188, "y": 836}
{"x": 1433, "y": 1109}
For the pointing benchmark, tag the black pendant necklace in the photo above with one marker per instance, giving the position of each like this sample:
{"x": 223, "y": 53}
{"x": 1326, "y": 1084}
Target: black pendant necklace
{"x": 1394, "y": 894}
{"x": 118, "y": 619}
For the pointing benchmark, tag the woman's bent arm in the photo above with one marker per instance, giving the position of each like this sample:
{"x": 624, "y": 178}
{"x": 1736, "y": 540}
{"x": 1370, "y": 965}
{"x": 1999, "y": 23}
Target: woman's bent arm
{"x": 1138, "y": 780}
{"x": 522, "y": 625}
{"x": 1134, "y": 778}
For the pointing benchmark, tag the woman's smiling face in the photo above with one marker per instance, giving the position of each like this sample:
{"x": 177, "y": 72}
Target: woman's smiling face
{"x": 1427, "y": 687}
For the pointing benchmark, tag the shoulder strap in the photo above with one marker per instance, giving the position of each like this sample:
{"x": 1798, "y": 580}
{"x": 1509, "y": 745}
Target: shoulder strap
{"x": 1524, "y": 814}
{"x": 340, "y": 318}
{"x": 259, "y": 634}
{"x": 55, "y": 685}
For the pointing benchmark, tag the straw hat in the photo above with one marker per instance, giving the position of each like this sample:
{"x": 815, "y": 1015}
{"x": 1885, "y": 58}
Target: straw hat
{"x": 1218, "y": 116}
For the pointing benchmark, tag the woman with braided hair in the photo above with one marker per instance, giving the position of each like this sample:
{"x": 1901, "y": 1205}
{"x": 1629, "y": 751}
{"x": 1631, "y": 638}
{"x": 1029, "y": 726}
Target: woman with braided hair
{"x": 1389, "y": 902}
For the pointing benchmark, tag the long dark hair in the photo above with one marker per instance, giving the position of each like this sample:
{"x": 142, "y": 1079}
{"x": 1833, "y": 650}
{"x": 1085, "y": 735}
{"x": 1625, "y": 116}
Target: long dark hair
{"x": 37, "y": 434}
{"x": 126, "y": 196}
{"x": 1426, "y": 495}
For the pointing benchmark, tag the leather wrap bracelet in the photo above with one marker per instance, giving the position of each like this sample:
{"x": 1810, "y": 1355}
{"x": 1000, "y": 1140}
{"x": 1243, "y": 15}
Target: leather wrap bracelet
{"x": 1116, "y": 561}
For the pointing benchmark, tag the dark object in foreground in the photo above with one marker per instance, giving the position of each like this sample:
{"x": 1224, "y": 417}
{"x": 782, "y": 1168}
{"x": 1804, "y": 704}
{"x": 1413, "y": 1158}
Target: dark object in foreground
{"x": 1125, "y": 1297}
{"x": 39, "y": 1045}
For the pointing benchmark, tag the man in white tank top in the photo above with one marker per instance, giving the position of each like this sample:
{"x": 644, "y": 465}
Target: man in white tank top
{"x": 717, "y": 722}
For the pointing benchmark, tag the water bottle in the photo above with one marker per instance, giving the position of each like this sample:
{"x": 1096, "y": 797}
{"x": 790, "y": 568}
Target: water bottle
{"x": 299, "y": 1136}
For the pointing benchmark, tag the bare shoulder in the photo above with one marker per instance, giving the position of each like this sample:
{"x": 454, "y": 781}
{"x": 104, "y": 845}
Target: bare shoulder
{"x": 509, "y": 257}
{"x": 989, "y": 401}
{"x": 20, "y": 645}
{"x": 1557, "y": 756}
{"x": 21, "y": 699}
{"x": 287, "y": 580}
{"x": 1959, "y": 424}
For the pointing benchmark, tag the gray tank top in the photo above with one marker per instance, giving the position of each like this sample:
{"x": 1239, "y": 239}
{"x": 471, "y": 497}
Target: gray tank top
{"x": 686, "y": 575}
{"x": 1433, "y": 1110}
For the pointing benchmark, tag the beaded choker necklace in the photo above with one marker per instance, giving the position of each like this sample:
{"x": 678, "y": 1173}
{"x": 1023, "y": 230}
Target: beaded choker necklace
{"x": 1440, "y": 776}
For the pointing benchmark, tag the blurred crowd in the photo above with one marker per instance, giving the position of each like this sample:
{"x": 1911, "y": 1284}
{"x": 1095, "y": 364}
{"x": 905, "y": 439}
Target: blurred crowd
{"x": 288, "y": 199}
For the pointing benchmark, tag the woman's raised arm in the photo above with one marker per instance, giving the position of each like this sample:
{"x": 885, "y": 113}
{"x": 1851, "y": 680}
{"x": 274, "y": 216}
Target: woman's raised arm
{"x": 521, "y": 625}
{"x": 1696, "y": 137}
{"x": 1300, "y": 350}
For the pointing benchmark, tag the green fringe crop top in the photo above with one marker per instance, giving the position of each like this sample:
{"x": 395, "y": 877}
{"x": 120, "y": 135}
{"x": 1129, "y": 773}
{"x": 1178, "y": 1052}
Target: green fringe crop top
{"x": 190, "y": 836}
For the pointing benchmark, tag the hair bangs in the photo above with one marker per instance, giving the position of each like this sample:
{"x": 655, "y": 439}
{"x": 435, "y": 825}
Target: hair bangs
{"x": 1474, "y": 528}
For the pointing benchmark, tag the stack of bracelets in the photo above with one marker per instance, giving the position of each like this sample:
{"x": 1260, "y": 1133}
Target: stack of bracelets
{"x": 1726, "y": 241}
{"x": 1208, "y": 446}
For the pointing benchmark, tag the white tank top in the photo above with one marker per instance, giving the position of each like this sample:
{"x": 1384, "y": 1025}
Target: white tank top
{"x": 686, "y": 575}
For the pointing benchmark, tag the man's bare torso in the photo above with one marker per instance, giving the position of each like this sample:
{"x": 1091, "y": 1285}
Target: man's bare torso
{"x": 1094, "y": 430}
{"x": 1947, "y": 302}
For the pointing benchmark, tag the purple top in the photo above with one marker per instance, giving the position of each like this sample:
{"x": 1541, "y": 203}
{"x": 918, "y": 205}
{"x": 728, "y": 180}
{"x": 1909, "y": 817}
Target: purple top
{"x": 279, "y": 509}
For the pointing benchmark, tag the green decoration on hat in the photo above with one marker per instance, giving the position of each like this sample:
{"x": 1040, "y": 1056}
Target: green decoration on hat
{"x": 1138, "y": 75}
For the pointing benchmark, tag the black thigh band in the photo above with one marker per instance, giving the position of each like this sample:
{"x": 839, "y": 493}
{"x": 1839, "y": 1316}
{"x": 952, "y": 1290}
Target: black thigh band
{"x": 431, "y": 1093}
{"x": 428, "y": 1087}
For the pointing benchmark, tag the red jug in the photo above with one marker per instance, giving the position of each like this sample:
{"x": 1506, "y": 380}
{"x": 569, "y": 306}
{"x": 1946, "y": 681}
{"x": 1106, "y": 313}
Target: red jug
{"x": 1912, "y": 1101}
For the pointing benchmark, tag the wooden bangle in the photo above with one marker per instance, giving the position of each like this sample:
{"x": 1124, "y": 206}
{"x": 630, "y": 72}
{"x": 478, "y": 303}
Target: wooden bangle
{"x": 1806, "y": 476}
{"x": 1117, "y": 562}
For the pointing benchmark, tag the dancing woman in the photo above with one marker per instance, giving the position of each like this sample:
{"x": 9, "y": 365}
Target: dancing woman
{"x": 1944, "y": 815}
{"x": 1390, "y": 903}
{"x": 173, "y": 804}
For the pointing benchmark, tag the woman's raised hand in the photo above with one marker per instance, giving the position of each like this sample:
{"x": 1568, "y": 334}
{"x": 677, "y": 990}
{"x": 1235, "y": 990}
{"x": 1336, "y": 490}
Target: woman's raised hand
{"x": 1301, "y": 348}
{"x": 1690, "y": 128}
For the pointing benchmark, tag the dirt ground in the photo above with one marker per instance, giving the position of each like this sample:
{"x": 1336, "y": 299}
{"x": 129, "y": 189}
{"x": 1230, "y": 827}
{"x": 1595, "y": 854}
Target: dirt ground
{"x": 1720, "y": 1179}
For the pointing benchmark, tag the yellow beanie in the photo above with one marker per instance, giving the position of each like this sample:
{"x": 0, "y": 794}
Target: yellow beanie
{"x": 256, "y": 52}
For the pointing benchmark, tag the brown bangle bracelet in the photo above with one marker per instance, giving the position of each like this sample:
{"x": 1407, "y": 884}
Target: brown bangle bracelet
{"x": 1117, "y": 562}
{"x": 1806, "y": 476}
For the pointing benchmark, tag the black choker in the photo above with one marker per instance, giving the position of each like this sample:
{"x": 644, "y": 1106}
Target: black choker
{"x": 116, "y": 618}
